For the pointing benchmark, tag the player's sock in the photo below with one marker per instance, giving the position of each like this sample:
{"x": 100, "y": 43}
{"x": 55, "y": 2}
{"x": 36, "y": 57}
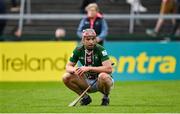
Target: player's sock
{"x": 85, "y": 96}
{"x": 105, "y": 96}
{"x": 105, "y": 100}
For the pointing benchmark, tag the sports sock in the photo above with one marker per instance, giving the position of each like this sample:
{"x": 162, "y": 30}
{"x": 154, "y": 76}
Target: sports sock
{"x": 105, "y": 96}
{"x": 85, "y": 96}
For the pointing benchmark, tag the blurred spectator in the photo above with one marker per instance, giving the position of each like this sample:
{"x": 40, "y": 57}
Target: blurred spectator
{"x": 2, "y": 21}
{"x": 16, "y": 32}
{"x": 177, "y": 21}
{"x": 95, "y": 21}
{"x": 15, "y": 7}
{"x": 114, "y": 0}
{"x": 137, "y": 6}
{"x": 86, "y": 3}
{"x": 167, "y": 6}
{"x": 60, "y": 33}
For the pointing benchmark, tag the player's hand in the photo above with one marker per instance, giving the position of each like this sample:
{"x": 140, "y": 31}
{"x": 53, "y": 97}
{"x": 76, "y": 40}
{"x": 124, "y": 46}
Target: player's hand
{"x": 81, "y": 70}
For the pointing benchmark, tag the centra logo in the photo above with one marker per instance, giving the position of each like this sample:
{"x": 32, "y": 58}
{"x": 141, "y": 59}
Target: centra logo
{"x": 145, "y": 64}
{"x": 27, "y": 63}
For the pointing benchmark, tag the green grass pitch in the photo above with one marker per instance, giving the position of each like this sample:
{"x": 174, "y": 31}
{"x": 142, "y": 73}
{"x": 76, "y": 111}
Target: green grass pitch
{"x": 148, "y": 96}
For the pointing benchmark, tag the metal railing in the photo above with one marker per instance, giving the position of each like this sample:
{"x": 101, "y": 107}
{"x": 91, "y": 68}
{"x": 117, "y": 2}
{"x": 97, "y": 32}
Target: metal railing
{"x": 28, "y": 16}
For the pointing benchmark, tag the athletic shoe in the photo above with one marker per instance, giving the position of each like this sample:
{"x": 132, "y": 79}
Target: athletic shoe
{"x": 151, "y": 32}
{"x": 105, "y": 101}
{"x": 86, "y": 100}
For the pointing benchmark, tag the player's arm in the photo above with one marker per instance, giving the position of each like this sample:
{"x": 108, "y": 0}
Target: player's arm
{"x": 106, "y": 67}
{"x": 106, "y": 63}
{"x": 70, "y": 67}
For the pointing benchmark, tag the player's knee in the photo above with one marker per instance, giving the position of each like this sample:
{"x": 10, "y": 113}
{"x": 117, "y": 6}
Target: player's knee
{"x": 104, "y": 77}
{"x": 66, "y": 78}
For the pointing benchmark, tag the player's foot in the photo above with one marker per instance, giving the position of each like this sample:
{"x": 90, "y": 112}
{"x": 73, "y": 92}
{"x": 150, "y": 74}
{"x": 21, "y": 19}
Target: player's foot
{"x": 86, "y": 100}
{"x": 105, "y": 101}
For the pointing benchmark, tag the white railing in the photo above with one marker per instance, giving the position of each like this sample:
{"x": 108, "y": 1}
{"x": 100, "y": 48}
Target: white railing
{"x": 79, "y": 16}
{"x": 28, "y": 16}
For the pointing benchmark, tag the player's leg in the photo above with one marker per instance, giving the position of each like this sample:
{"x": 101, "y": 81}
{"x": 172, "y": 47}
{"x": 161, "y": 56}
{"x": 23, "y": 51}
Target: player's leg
{"x": 78, "y": 85}
{"x": 75, "y": 83}
{"x": 165, "y": 9}
{"x": 104, "y": 85}
{"x": 177, "y": 21}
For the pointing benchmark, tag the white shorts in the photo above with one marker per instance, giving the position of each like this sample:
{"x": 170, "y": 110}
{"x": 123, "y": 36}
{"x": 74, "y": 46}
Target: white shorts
{"x": 94, "y": 87}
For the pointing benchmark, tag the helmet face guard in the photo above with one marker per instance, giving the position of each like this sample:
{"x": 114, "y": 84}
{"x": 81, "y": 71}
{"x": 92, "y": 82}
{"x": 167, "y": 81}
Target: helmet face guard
{"x": 88, "y": 33}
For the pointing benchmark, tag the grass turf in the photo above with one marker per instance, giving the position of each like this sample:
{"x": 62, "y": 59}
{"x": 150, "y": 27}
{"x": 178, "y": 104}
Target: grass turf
{"x": 150, "y": 96}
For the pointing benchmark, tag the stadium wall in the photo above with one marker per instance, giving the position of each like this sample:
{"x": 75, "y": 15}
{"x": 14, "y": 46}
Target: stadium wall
{"x": 34, "y": 61}
{"x": 145, "y": 60}
{"x": 45, "y": 61}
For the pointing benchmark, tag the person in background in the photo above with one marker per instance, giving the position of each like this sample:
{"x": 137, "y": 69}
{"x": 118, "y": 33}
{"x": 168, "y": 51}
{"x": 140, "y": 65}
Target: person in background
{"x": 2, "y": 21}
{"x": 60, "y": 33}
{"x": 167, "y": 7}
{"x": 94, "y": 20}
{"x": 86, "y": 3}
{"x": 177, "y": 21}
{"x": 137, "y": 6}
{"x": 17, "y": 32}
{"x": 15, "y": 7}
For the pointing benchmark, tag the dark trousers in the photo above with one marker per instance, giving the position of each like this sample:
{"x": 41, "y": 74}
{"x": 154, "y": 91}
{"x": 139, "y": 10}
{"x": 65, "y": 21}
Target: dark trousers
{"x": 2, "y": 26}
{"x": 176, "y": 26}
{"x": 14, "y": 3}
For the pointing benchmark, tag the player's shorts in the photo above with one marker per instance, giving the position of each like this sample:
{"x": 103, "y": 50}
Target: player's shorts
{"x": 167, "y": 6}
{"x": 95, "y": 88}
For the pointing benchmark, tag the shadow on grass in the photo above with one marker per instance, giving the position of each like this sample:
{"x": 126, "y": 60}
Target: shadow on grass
{"x": 136, "y": 105}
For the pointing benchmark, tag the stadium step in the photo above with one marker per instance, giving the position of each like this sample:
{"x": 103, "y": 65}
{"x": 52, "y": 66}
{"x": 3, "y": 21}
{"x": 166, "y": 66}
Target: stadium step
{"x": 116, "y": 27}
